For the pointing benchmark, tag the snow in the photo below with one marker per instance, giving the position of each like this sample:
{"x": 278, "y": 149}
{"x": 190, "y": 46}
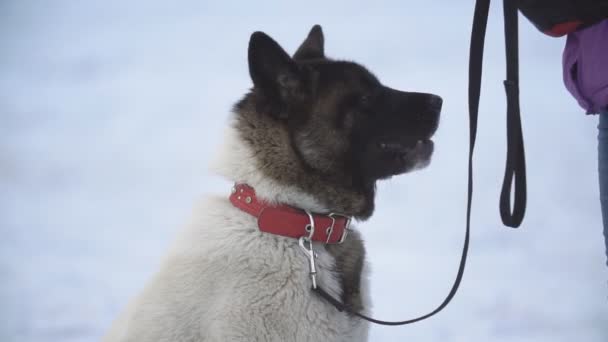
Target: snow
{"x": 110, "y": 112}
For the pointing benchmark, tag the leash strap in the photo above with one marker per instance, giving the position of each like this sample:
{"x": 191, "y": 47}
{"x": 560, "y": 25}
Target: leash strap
{"x": 514, "y": 181}
{"x": 475, "y": 70}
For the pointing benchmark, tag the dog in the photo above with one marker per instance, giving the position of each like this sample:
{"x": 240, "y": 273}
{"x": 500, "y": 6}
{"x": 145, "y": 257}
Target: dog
{"x": 311, "y": 138}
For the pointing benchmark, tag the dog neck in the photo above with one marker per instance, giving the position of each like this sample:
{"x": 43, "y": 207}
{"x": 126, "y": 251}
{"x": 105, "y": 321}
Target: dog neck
{"x": 259, "y": 153}
{"x": 237, "y": 162}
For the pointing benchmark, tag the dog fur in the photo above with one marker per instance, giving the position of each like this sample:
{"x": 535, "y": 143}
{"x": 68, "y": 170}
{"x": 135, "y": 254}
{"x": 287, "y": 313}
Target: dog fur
{"x": 298, "y": 138}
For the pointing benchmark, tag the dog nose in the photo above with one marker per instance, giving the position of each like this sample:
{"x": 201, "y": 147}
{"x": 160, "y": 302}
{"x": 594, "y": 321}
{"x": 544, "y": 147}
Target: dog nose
{"x": 435, "y": 102}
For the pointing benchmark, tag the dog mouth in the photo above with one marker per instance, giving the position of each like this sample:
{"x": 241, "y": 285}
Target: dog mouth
{"x": 405, "y": 156}
{"x": 407, "y": 150}
{"x": 404, "y": 149}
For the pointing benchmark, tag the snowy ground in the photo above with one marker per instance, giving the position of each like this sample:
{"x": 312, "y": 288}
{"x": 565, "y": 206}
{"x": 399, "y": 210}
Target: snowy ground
{"x": 111, "y": 110}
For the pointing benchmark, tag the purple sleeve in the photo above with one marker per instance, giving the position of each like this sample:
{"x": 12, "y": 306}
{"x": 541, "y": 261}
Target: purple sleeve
{"x": 585, "y": 62}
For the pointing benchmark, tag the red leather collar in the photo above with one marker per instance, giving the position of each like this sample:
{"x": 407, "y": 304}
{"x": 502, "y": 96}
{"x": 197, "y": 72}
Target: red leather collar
{"x": 288, "y": 221}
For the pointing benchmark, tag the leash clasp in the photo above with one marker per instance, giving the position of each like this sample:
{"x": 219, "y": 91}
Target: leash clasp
{"x": 305, "y": 243}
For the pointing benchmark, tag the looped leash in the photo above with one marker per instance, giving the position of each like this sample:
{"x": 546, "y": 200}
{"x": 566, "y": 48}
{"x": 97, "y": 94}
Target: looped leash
{"x": 515, "y": 169}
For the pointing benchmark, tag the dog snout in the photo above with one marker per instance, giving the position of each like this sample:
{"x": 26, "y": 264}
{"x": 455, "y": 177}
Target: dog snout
{"x": 416, "y": 113}
{"x": 429, "y": 106}
{"x": 426, "y": 106}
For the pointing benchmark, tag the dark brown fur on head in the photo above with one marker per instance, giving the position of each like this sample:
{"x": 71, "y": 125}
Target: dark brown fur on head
{"x": 330, "y": 127}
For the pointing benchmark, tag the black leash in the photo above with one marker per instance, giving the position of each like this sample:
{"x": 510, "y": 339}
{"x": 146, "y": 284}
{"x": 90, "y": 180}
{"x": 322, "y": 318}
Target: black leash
{"x": 515, "y": 168}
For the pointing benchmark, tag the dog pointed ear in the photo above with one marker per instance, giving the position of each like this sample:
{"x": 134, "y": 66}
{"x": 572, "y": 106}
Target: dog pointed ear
{"x": 313, "y": 45}
{"x": 270, "y": 67}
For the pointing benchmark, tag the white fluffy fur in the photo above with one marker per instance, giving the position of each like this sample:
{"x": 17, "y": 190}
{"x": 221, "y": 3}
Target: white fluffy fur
{"x": 224, "y": 280}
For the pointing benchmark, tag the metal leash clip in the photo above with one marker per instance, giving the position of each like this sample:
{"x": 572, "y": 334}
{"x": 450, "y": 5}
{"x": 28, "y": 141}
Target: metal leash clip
{"x": 305, "y": 243}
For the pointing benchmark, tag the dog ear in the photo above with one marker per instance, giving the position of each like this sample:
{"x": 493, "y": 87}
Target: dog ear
{"x": 271, "y": 69}
{"x": 313, "y": 45}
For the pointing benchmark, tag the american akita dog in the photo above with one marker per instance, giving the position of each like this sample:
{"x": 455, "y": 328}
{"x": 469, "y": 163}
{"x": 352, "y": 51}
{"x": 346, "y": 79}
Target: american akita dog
{"x": 310, "y": 139}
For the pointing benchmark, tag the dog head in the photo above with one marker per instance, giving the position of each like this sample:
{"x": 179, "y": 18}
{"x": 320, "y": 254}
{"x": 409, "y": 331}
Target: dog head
{"x": 344, "y": 130}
